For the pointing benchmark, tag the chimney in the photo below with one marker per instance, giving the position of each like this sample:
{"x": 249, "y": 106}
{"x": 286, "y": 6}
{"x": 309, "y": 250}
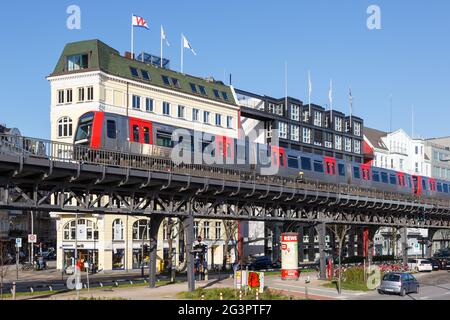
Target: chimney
{"x": 128, "y": 55}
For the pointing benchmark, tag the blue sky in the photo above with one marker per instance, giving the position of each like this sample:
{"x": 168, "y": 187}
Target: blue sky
{"x": 408, "y": 58}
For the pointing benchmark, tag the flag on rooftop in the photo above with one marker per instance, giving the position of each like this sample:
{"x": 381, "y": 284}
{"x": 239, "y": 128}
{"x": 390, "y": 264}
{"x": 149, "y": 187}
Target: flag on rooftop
{"x": 164, "y": 37}
{"x": 138, "y": 21}
{"x": 187, "y": 45}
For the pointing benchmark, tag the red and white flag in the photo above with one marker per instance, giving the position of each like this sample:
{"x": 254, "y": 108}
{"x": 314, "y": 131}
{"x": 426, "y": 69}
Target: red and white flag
{"x": 138, "y": 21}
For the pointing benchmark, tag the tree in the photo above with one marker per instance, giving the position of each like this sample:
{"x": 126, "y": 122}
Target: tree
{"x": 173, "y": 229}
{"x": 231, "y": 228}
{"x": 340, "y": 232}
{"x": 4, "y": 260}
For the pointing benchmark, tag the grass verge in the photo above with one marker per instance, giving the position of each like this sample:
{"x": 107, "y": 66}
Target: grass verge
{"x": 231, "y": 294}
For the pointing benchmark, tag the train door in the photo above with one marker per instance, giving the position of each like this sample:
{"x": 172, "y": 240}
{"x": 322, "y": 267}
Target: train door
{"x": 111, "y": 133}
{"x": 330, "y": 166}
{"x": 279, "y": 156}
{"x": 417, "y": 185}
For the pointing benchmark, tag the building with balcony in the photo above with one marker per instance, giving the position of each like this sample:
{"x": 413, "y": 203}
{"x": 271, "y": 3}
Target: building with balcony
{"x": 438, "y": 150}
{"x": 397, "y": 151}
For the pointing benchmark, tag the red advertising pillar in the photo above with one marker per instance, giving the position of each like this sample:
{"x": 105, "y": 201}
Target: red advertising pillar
{"x": 289, "y": 256}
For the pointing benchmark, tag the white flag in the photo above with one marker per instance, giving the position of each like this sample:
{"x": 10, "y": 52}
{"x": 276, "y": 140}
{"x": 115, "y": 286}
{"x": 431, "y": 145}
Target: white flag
{"x": 187, "y": 45}
{"x": 163, "y": 36}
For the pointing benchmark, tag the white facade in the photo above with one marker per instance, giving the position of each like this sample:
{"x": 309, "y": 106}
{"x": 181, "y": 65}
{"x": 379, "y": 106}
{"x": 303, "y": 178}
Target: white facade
{"x": 404, "y": 154}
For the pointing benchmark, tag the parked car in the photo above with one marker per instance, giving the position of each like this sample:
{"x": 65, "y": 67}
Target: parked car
{"x": 399, "y": 283}
{"x": 261, "y": 263}
{"x": 437, "y": 264}
{"x": 420, "y": 265}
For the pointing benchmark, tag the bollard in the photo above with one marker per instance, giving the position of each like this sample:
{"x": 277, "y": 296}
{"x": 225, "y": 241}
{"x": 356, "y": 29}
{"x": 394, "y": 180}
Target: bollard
{"x": 203, "y": 297}
{"x": 240, "y": 294}
{"x": 221, "y": 296}
{"x": 257, "y": 295}
{"x": 206, "y": 275}
{"x": 13, "y": 291}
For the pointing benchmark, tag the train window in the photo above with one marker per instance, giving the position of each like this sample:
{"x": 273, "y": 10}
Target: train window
{"x": 393, "y": 179}
{"x": 384, "y": 177}
{"x": 424, "y": 185}
{"x": 164, "y": 140}
{"x": 409, "y": 183}
{"x": 306, "y": 163}
{"x": 356, "y": 173}
{"x": 439, "y": 187}
{"x": 136, "y": 133}
{"x": 111, "y": 132}
{"x": 293, "y": 162}
{"x": 341, "y": 169}
{"x": 376, "y": 176}
{"x": 318, "y": 166}
{"x": 147, "y": 135}
{"x": 445, "y": 187}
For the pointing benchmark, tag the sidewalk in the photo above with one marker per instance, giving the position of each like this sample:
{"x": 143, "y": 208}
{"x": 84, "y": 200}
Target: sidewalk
{"x": 165, "y": 292}
{"x": 315, "y": 288}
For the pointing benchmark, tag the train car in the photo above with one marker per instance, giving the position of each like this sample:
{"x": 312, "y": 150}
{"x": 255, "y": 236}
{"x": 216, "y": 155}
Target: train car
{"x": 99, "y": 130}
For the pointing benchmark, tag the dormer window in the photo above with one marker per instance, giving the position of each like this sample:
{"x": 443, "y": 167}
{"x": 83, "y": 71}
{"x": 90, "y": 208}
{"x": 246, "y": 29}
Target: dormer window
{"x": 203, "y": 90}
{"x": 77, "y": 62}
{"x": 166, "y": 80}
{"x": 216, "y": 93}
{"x": 176, "y": 83}
{"x": 145, "y": 75}
{"x": 225, "y": 96}
{"x": 134, "y": 72}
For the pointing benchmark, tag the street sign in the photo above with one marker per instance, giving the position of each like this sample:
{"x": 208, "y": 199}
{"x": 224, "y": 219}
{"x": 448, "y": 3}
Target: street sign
{"x": 32, "y": 238}
{"x": 19, "y": 242}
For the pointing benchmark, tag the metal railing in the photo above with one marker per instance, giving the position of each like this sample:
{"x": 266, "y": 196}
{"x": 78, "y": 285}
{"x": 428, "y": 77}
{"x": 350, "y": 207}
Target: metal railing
{"x": 159, "y": 161}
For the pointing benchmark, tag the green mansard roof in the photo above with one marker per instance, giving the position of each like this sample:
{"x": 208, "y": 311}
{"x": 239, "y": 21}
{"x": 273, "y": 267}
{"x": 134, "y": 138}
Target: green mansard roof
{"x": 106, "y": 59}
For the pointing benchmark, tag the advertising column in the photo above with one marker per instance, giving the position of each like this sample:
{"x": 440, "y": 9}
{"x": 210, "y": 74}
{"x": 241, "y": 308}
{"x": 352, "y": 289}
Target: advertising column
{"x": 289, "y": 256}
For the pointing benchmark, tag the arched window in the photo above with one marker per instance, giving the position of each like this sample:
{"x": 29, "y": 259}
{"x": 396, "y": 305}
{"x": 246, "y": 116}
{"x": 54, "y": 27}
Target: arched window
{"x": 86, "y": 230}
{"x": 141, "y": 230}
{"x": 64, "y": 127}
{"x": 117, "y": 229}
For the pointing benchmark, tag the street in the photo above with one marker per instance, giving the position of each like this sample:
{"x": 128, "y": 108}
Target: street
{"x": 433, "y": 286}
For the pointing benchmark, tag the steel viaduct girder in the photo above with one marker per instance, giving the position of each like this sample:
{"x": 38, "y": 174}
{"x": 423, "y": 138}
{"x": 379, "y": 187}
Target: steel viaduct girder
{"x": 58, "y": 186}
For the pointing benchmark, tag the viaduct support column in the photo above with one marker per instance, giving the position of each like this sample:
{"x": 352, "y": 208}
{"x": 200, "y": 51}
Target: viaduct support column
{"x": 429, "y": 245}
{"x": 155, "y": 223}
{"x": 276, "y": 241}
{"x": 372, "y": 231}
{"x": 321, "y": 233}
{"x": 405, "y": 246}
{"x": 188, "y": 225}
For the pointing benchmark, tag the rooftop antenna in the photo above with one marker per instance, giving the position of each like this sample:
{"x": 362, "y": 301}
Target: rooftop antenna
{"x": 231, "y": 82}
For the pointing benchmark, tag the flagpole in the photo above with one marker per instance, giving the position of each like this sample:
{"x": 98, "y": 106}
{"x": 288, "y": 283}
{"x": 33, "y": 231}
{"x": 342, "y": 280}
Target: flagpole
{"x": 161, "y": 46}
{"x": 132, "y": 37}
{"x": 182, "y": 53}
{"x": 331, "y": 101}
{"x": 309, "y": 96}
{"x": 286, "y": 79}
